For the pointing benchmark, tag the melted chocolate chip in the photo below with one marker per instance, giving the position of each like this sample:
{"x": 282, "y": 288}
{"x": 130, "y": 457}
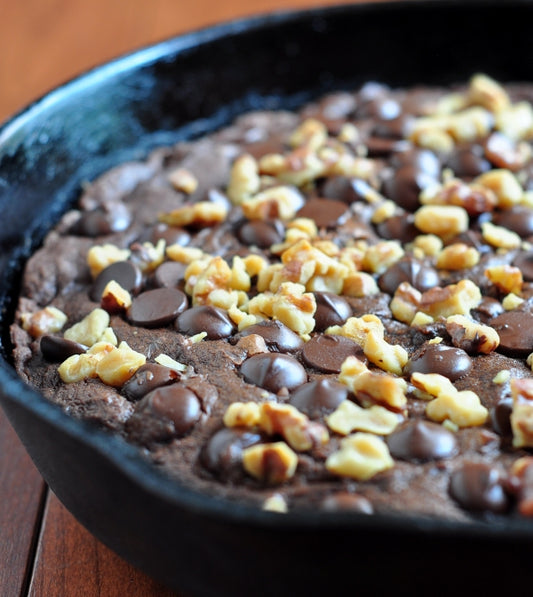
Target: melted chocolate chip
{"x": 503, "y": 152}
{"x": 222, "y": 454}
{"x": 405, "y": 185}
{"x": 501, "y": 417}
{"x": 524, "y": 261}
{"x": 327, "y": 353}
{"x": 172, "y": 235}
{"x": 114, "y": 217}
{"x": 487, "y": 309}
{"x": 125, "y": 273}
{"x": 342, "y": 501}
{"x": 261, "y": 233}
{"x": 178, "y": 404}
{"x": 147, "y": 378}
{"x": 422, "y": 160}
{"x": 157, "y": 307}
{"x": 56, "y": 349}
{"x": 277, "y": 335}
{"x": 451, "y": 362}
{"x": 318, "y": 398}
{"x": 326, "y": 213}
{"x": 331, "y": 309}
{"x": 421, "y": 276}
{"x": 398, "y": 227}
{"x": 468, "y": 161}
{"x": 478, "y": 486}
{"x": 515, "y": 329}
{"x": 205, "y": 318}
{"x": 273, "y": 372}
{"x": 342, "y": 188}
{"x": 422, "y": 441}
{"x": 170, "y": 274}
{"x": 519, "y": 219}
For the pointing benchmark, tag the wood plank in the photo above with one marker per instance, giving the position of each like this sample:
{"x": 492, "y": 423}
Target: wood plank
{"x": 70, "y": 561}
{"x": 21, "y": 498}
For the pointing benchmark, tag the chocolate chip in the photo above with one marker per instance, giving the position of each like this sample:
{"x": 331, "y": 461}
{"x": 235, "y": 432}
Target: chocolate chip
{"x": 343, "y": 188}
{"x": 170, "y": 274}
{"x": 487, "y": 309}
{"x": 422, "y": 160}
{"x": 380, "y": 147}
{"x": 205, "y": 318}
{"x": 398, "y": 227}
{"x": 519, "y": 219}
{"x": 449, "y": 361}
{"x": 56, "y": 349}
{"x": 393, "y": 128}
{"x": 277, "y": 335}
{"x": 421, "y": 441}
{"x": 421, "y": 276}
{"x": 478, "y": 486}
{"x": 502, "y": 152}
{"x": 515, "y": 329}
{"x": 147, "y": 378}
{"x": 157, "y": 307}
{"x": 172, "y": 235}
{"x": 326, "y": 213}
{"x": 524, "y": 261}
{"x": 331, "y": 309}
{"x": 318, "y": 398}
{"x": 327, "y": 353}
{"x": 178, "y": 404}
{"x": 115, "y": 217}
{"x": 342, "y": 501}
{"x": 273, "y": 371}
{"x": 468, "y": 161}
{"x": 500, "y": 416}
{"x": 125, "y": 273}
{"x": 261, "y": 233}
{"x": 405, "y": 185}
{"x": 222, "y": 453}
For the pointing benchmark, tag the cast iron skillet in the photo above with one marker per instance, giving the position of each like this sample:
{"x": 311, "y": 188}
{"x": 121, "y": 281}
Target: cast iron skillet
{"x": 175, "y": 90}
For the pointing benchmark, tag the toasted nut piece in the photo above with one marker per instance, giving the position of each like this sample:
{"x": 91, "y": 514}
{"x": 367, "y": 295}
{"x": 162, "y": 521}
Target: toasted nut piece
{"x": 78, "y": 367}
{"x": 200, "y": 215}
{"x": 389, "y": 357}
{"x": 474, "y": 198}
{"x": 218, "y": 276}
{"x": 502, "y": 377}
{"x": 119, "y": 364}
{"x": 433, "y": 384}
{"x": 242, "y": 414}
{"x": 384, "y": 211}
{"x": 147, "y": 256}
{"x": 276, "y": 202}
{"x": 361, "y": 457}
{"x": 272, "y": 463}
{"x": 296, "y": 429}
{"x": 244, "y": 179}
{"x": 90, "y": 329}
{"x": 471, "y": 336}
{"x": 458, "y": 256}
{"x": 444, "y": 221}
{"x": 504, "y": 184}
{"x": 516, "y": 121}
{"x": 521, "y": 480}
{"x": 500, "y": 237}
{"x": 405, "y": 303}
{"x": 485, "y": 91}
{"x": 254, "y": 264}
{"x": 252, "y": 344}
{"x": 433, "y": 138}
{"x": 166, "y": 361}
{"x": 429, "y": 244}
{"x": 359, "y": 285}
{"x": 183, "y": 180}
{"x": 349, "y": 417}
{"x": 455, "y": 299}
{"x": 185, "y": 254}
{"x": 241, "y": 318}
{"x": 467, "y": 125}
{"x": 275, "y": 503}
{"x": 114, "y": 298}
{"x": 100, "y": 256}
{"x": 506, "y": 278}
{"x": 374, "y": 387}
{"x": 522, "y": 412}
{"x": 311, "y": 132}
{"x": 381, "y": 256}
{"x": 45, "y": 321}
{"x": 511, "y": 301}
{"x": 421, "y": 319}
{"x": 358, "y": 328}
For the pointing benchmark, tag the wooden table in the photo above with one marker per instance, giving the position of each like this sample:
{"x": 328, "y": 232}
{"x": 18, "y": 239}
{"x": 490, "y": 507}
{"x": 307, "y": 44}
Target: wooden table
{"x": 44, "y": 552}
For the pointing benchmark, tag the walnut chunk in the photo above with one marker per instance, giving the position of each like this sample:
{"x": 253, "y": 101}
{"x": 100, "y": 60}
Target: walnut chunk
{"x": 485, "y": 91}
{"x": 242, "y": 414}
{"x": 445, "y": 221}
{"x": 101, "y": 256}
{"x": 271, "y": 463}
{"x": 90, "y": 329}
{"x": 276, "y": 202}
{"x": 504, "y": 184}
{"x": 361, "y": 457}
{"x": 244, "y": 179}
{"x": 115, "y": 299}
{"x": 118, "y": 365}
{"x": 472, "y": 336}
{"x": 454, "y": 299}
{"x": 45, "y": 321}
{"x": 500, "y": 237}
{"x": 349, "y": 417}
{"x": 381, "y": 256}
{"x": 506, "y": 278}
{"x": 522, "y": 412}
{"x": 183, "y": 180}
{"x": 458, "y": 256}
{"x": 199, "y": 215}
{"x": 389, "y": 357}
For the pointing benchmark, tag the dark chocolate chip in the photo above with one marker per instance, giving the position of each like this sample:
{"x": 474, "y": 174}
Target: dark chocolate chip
{"x": 379, "y": 147}
{"x": 327, "y": 353}
{"x": 398, "y": 227}
{"x": 342, "y": 501}
{"x": 273, "y": 371}
{"x": 277, "y": 335}
{"x": 515, "y": 329}
{"x": 331, "y": 309}
{"x": 125, "y": 273}
{"x": 405, "y": 185}
{"x": 503, "y": 152}
{"x": 261, "y": 233}
{"x": 222, "y": 453}
{"x": 478, "y": 486}
{"x": 318, "y": 398}
{"x": 115, "y": 217}
{"x": 524, "y": 261}
{"x": 172, "y": 235}
{"x": 157, "y": 307}
{"x": 344, "y": 189}
{"x": 55, "y": 349}
{"x": 421, "y": 276}
{"x": 170, "y": 274}
{"x": 422, "y": 441}
{"x": 422, "y": 160}
{"x": 205, "y": 318}
{"x": 147, "y": 378}
{"x": 178, "y": 404}
{"x": 393, "y": 128}
{"x": 468, "y": 161}
{"x": 449, "y": 361}
{"x": 500, "y": 416}
{"x": 487, "y": 309}
{"x": 519, "y": 219}
{"x": 326, "y": 213}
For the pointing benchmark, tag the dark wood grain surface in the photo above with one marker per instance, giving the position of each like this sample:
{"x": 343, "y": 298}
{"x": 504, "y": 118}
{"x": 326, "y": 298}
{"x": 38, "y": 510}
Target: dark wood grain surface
{"x": 44, "y": 552}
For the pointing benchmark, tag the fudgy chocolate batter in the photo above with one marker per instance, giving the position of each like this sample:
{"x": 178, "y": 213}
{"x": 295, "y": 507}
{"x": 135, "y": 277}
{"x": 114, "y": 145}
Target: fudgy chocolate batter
{"x": 327, "y": 309}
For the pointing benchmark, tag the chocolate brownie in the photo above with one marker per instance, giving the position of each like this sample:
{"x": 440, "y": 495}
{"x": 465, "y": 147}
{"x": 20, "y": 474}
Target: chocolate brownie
{"x": 329, "y": 309}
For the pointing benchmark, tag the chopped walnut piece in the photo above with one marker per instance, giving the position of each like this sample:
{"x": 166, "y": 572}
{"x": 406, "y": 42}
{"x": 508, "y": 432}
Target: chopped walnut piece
{"x": 474, "y": 198}
{"x": 500, "y": 237}
{"x": 183, "y": 180}
{"x": 242, "y": 414}
{"x": 516, "y": 121}
{"x": 361, "y": 457}
{"x": 506, "y": 278}
{"x": 472, "y": 336}
{"x": 485, "y": 91}
{"x": 359, "y": 285}
{"x": 311, "y": 133}
{"x": 218, "y": 276}
{"x": 381, "y": 256}
{"x": 114, "y": 298}
{"x": 90, "y": 329}
{"x": 299, "y": 167}
{"x": 522, "y": 412}
{"x": 458, "y": 256}
{"x": 349, "y": 417}
{"x": 511, "y": 301}
{"x": 405, "y": 303}
{"x": 45, "y": 321}
{"x": 253, "y": 344}
{"x": 357, "y": 328}
{"x": 275, "y": 503}
{"x": 244, "y": 179}
{"x": 432, "y": 384}
{"x": 118, "y": 365}
{"x": 389, "y": 357}
{"x": 146, "y": 256}
{"x": 521, "y": 482}
{"x": 200, "y": 215}
{"x": 185, "y": 254}
{"x": 272, "y": 463}
{"x": 101, "y": 256}
{"x": 78, "y": 367}
{"x": 445, "y": 221}
{"x": 455, "y": 299}
{"x": 504, "y": 184}
{"x": 276, "y": 202}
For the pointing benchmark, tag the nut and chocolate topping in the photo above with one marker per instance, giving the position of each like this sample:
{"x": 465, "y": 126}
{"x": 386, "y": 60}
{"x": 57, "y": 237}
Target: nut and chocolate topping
{"x": 330, "y": 308}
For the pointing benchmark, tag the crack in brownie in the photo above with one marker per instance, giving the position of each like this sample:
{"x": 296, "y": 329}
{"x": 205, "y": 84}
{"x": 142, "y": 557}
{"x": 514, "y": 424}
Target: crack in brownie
{"x": 330, "y": 309}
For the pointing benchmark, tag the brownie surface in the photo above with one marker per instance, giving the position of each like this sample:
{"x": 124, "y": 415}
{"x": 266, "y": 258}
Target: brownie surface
{"x": 325, "y": 309}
